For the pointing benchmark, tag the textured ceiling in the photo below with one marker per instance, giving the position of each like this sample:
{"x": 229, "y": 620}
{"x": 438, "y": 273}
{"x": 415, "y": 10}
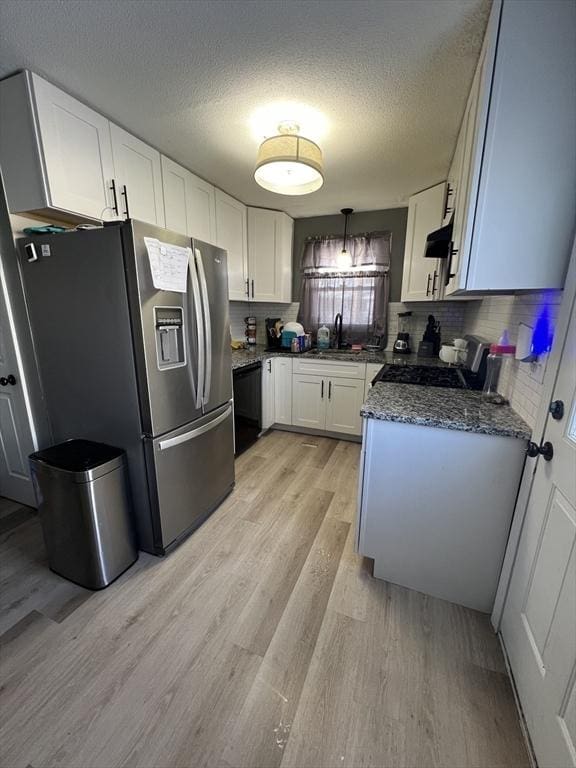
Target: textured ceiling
{"x": 384, "y": 81}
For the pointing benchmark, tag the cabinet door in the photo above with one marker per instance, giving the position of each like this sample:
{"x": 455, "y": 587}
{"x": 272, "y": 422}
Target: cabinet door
{"x": 468, "y": 153}
{"x": 77, "y": 152}
{"x": 269, "y": 255}
{"x": 231, "y": 235}
{"x": 201, "y": 210}
{"x": 309, "y": 397}
{"x": 139, "y": 177}
{"x": 174, "y": 186}
{"x": 420, "y": 279}
{"x": 282, "y": 378}
{"x": 345, "y": 398}
{"x": 267, "y": 394}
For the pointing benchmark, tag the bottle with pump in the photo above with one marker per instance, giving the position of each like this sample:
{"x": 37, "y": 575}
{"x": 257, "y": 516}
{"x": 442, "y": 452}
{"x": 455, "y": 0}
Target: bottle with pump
{"x": 323, "y": 337}
{"x": 499, "y": 364}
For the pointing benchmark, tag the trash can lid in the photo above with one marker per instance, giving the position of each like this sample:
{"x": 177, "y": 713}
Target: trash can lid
{"x": 77, "y": 455}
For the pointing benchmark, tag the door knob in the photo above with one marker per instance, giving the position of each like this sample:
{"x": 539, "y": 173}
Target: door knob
{"x": 5, "y": 380}
{"x": 546, "y": 450}
{"x": 556, "y": 409}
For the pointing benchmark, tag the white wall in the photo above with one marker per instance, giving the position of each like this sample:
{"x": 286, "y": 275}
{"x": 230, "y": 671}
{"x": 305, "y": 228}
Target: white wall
{"x": 490, "y": 316}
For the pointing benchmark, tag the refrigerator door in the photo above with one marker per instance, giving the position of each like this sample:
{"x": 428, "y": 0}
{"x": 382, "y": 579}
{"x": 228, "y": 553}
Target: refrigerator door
{"x": 211, "y": 266}
{"x": 192, "y": 469}
{"x": 169, "y": 392}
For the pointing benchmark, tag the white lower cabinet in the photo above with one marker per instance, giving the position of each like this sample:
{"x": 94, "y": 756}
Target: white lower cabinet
{"x": 308, "y": 403}
{"x": 282, "y": 377}
{"x": 331, "y": 404}
{"x": 267, "y": 394}
{"x": 345, "y": 398}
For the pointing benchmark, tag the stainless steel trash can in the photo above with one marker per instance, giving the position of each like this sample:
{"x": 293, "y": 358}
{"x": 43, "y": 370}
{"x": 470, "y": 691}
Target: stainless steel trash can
{"x": 84, "y": 505}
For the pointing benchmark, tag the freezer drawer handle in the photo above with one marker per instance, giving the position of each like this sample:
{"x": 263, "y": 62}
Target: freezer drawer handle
{"x": 171, "y": 442}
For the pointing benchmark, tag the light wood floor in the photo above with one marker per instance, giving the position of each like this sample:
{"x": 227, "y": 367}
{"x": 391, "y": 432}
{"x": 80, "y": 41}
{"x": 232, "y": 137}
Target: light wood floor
{"x": 262, "y": 641}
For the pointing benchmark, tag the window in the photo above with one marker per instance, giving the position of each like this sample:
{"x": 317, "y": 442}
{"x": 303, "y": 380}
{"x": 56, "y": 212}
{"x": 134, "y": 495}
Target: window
{"x": 359, "y": 293}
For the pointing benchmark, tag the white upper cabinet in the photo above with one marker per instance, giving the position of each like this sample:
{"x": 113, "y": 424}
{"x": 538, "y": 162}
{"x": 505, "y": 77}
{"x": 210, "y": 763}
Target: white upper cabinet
{"x": 189, "y": 202}
{"x": 269, "y": 255}
{"x": 138, "y": 176}
{"x": 231, "y": 235}
{"x": 55, "y": 152}
{"x": 421, "y": 276}
{"x": 174, "y": 185}
{"x": 201, "y": 205}
{"x": 515, "y": 195}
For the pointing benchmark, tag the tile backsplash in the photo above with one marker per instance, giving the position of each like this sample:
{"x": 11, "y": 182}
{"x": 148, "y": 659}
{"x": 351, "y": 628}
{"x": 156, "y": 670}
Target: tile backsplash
{"x": 450, "y": 315}
{"x": 489, "y": 317}
{"x": 241, "y": 309}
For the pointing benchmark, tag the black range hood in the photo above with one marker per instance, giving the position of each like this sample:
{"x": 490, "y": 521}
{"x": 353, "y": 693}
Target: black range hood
{"x": 438, "y": 243}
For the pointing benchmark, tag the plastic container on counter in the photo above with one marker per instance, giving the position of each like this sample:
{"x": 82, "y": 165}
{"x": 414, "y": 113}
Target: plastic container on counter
{"x": 499, "y": 365}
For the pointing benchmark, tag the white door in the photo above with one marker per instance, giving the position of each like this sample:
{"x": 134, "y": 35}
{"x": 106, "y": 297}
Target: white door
{"x": 77, "y": 152}
{"x": 309, "y": 398}
{"x": 138, "y": 174}
{"x": 201, "y": 202}
{"x": 539, "y": 619}
{"x": 267, "y": 394}
{"x": 16, "y": 442}
{"x": 345, "y": 398}
{"x": 231, "y": 235}
{"x": 282, "y": 377}
{"x": 420, "y": 278}
{"x": 174, "y": 187}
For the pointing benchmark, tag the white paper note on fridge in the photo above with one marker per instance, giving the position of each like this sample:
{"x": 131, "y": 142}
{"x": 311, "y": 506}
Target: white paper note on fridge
{"x": 168, "y": 264}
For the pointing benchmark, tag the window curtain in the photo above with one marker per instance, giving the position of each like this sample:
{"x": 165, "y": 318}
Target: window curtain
{"x": 360, "y": 292}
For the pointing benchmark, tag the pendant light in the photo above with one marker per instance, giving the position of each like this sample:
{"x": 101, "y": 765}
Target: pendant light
{"x": 344, "y": 257}
{"x": 289, "y": 164}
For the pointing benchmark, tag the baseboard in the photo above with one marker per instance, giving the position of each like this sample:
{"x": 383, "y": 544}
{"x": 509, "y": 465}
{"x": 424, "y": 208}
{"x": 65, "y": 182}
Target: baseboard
{"x": 315, "y": 432}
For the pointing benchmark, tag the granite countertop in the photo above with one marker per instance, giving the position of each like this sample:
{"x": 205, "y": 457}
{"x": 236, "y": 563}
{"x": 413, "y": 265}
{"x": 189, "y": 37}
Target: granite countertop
{"x": 242, "y": 357}
{"x": 460, "y": 409}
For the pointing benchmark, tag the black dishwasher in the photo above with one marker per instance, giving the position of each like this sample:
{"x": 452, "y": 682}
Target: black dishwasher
{"x": 247, "y": 406}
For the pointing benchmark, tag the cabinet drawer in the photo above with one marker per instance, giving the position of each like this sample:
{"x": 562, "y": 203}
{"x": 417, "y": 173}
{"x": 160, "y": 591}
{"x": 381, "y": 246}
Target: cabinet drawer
{"x": 343, "y": 370}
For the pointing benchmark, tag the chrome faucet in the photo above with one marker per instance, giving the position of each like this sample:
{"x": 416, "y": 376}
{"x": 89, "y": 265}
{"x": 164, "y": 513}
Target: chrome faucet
{"x": 338, "y": 330}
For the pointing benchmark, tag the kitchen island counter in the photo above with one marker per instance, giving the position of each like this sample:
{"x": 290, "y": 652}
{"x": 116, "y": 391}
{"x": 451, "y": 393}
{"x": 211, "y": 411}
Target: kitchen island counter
{"x": 459, "y": 409}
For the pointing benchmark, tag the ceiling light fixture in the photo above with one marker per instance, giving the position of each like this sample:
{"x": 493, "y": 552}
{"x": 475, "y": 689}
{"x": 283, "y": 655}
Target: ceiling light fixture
{"x": 289, "y": 164}
{"x": 344, "y": 257}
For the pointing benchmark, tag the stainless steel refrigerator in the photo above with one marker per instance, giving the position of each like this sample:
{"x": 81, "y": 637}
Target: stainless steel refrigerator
{"x": 139, "y": 367}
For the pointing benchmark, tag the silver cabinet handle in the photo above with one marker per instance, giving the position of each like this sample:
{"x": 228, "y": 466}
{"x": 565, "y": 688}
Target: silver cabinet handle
{"x": 329, "y": 390}
{"x": 247, "y": 287}
{"x": 322, "y": 390}
{"x": 207, "y": 326}
{"x": 428, "y": 284}
{"x": 252, "y": 288}
{"x": 172, "y": 441}
{"x": 434, "y": 282}
{"x": 269, "y": 366}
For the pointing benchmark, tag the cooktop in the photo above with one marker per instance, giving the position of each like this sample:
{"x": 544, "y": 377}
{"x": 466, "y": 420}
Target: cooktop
{"x": 429, "y": 376}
